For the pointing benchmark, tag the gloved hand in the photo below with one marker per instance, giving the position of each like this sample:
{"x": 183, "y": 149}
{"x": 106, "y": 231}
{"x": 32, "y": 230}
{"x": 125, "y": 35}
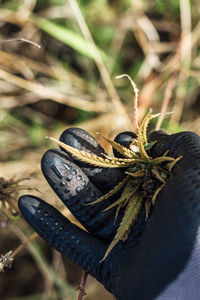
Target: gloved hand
{"x": 157, "y": 252}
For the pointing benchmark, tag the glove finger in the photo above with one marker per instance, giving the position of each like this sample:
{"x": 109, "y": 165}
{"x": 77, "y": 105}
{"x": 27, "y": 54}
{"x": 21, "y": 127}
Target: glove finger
{"x": 162, "y": 139}
{"x": 124, "y": 138}
{"x": 104, "y": 178}
{"x": 186, "y": 144}
{"x": 73, "y": 242}
{"x": 75, "y": 189}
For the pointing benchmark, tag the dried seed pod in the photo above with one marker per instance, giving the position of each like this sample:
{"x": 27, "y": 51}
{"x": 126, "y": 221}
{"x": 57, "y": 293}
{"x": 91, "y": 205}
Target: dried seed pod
{"x": 8, "y": 196}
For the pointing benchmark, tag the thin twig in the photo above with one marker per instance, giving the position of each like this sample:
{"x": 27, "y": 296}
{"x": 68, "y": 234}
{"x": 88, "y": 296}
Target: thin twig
{"x": 50, "y": 277}
{"x": 82, "y": 286}
{"x": 22, "y": 246}
{"x": 20, "y": 40}
{"x": 7, "y": 259}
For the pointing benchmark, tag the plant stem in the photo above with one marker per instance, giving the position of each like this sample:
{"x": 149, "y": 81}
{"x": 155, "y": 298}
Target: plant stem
{"x": 22, "y": 246}
{"x": 82, "y": 286}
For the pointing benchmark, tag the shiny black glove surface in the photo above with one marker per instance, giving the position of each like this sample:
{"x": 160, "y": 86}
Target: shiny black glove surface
{"x": 156, "y": 251}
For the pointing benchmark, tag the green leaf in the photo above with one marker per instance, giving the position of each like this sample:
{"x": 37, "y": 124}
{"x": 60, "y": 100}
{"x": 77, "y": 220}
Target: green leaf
{"x": 133, "y": 208}
{"x": 68, "y": 37}
{"x": 148, "y": 146}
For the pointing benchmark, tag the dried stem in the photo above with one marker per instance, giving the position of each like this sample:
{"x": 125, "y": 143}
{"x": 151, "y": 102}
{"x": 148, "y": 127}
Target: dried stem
{"x": 46, "y": 92}
{"x": 22, "y": 246}
{"x": 82, "y": 286}
{"x": 6, "y": 260}
{"x": 170, "y": 86}
{"x": 185, "y": 53}
{"x": 51, "y": 278}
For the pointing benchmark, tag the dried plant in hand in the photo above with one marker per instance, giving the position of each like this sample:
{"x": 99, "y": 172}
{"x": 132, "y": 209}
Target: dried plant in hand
{"x": 8, "y": 196}
{"x": 145, "y": 176}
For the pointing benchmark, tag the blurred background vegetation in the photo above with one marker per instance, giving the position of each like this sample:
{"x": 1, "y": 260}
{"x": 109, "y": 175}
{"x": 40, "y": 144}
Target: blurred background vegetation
{"x": 70, "y": 81}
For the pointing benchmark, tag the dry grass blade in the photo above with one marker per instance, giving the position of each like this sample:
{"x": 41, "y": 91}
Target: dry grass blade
{"x": 168, "y": 93}
{"x": 170, "y": 86}
{"x": 22, "y": 246}
{"x": 100, "y": 64}
{"x": 20, "y": 40}
{"x": 46, "y": 92}
{"x": 185, "y": 57}
{"x": 48, "y": 273}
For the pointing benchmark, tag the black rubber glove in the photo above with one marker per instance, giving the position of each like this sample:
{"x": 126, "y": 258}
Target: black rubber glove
{"x": 156, "y": 251}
